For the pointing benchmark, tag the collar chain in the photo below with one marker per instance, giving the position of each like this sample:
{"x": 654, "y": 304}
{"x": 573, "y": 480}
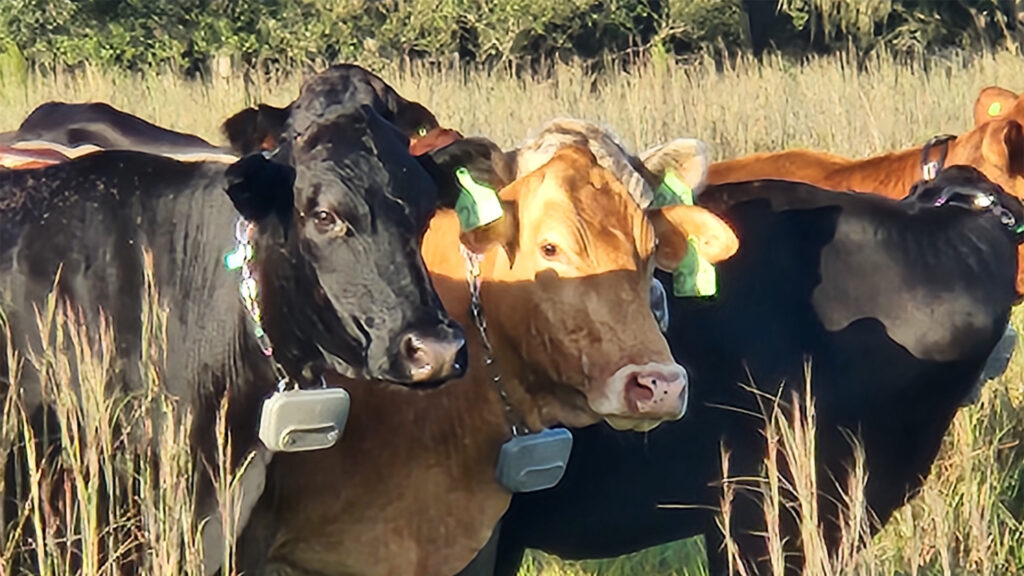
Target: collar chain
{"x": 473, "y": 259}
{"x": 241, "y": 259}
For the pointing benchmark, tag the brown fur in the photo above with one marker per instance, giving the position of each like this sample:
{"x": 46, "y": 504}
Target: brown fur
{"x": 989, "y": 96}
{"x": 410, "y": 488}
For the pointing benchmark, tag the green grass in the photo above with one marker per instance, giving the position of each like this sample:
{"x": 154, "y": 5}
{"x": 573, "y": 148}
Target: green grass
{"x": 967, "y": 519}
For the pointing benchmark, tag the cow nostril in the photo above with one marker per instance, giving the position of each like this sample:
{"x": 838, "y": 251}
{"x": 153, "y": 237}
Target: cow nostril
{"x": 426, "y": 357}
{"x": 412, "y": 347}
{"x": 642, "y": 388}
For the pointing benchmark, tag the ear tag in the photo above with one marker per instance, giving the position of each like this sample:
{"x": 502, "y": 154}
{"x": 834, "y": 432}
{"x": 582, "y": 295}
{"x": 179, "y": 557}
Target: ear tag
{"x": 694, "y": 276}
{"x": 534, "y": 461}
{"x": 994, "y": 109}
{"x": 672, "y": 191}
{"x": 477, "y": 205}
{"x": 303, "y": 419}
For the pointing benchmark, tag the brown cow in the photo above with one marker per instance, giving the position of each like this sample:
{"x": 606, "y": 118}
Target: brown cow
{"x": 410, "y": 490}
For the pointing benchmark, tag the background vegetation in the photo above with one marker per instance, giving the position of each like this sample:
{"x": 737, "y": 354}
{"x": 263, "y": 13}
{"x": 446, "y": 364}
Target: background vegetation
{"x": 968, "y": 518}
{"x": 209, "y": 36}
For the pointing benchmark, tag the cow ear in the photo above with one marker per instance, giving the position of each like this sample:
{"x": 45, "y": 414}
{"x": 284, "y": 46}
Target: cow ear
{"x": 503, "y": 232}
{"x": 680, "y": 226}
{"x": 1003, "y": 147}
{"x": 259, "y": 187}
{"x": 992, "y": 102}
{"x": 680, "y": 168}
{"x": 478, "y": 158}
{"x": 256, "y": 129}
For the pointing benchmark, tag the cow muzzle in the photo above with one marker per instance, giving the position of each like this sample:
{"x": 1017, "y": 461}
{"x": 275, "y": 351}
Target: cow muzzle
{"x": 639, "y": 397}
{"x": 430, "y": 357}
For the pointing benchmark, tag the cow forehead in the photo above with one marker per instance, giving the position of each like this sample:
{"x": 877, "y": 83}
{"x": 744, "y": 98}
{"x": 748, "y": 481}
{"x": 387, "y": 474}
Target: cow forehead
{"x": 370, "y": 157}
{"x": 578, "y": 202}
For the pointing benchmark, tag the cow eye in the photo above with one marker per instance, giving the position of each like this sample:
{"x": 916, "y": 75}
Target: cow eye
{"x": 549, "y": 250}
{"x": 326, "y": 222}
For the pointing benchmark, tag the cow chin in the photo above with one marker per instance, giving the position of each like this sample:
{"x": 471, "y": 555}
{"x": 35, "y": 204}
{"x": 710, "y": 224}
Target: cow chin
{"x": 623, "y": 424}
{"x": 639, "y": 397}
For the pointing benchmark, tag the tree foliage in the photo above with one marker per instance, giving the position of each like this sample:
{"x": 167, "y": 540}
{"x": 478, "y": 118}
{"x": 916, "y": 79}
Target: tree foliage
{"x": 190, "y": 34}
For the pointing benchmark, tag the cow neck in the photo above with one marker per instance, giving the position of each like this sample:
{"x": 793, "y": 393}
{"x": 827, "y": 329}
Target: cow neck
{"x": 242, "y": 259}
{"x": 514, "y": 418}
{"x": 984, "y": 203}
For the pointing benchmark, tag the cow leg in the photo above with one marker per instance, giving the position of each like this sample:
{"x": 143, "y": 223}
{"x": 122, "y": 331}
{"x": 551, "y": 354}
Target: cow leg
{"x": 483, "y": 564}
{"x": 241, "y": 501}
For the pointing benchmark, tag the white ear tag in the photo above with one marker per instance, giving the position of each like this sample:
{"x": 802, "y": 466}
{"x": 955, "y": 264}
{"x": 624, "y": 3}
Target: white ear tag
{"x": 534, "y": 461}
{"x": 302, "y": 420}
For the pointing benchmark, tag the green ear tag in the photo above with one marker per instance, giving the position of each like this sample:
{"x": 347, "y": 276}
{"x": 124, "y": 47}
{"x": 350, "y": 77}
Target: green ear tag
{"x": 478, "y": 205}
{"x": 672, "y": 191}
{"x": 695, "y": 276}
{"x": 994, "y": 109}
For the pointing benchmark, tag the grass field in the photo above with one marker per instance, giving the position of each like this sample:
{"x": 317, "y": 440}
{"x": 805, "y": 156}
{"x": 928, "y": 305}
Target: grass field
{"x": 969, "y": 519}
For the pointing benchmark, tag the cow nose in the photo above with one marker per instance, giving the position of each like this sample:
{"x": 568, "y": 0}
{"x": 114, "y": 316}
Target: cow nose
{"x": 431, "y": 358}
{"x": 659, "y": 392}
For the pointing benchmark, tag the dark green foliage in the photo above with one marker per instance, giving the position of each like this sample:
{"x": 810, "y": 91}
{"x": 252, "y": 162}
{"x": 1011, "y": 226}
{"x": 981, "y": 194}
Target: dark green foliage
{"x": 190, "y": 34}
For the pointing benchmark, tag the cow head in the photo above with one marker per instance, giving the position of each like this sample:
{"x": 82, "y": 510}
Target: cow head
{"x": 996, "y": 145}
{"x": 340, "y": 211}
{"x": 567, "y": 279}
{"x": 261, "y": 128}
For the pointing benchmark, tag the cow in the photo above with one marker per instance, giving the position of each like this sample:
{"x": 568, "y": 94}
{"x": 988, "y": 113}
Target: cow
{"x": 893, "y": 305}
{"x": 57, "y": 131}
{"x": 75, "y": 129}
{"x": 331, "y": 274}
{"x": 260, "y": 128}
{"x": 994, "y": 146}
{"x": 564, "y": 288}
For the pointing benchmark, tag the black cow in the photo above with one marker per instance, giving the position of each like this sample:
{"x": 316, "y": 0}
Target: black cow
{"x": 260, "y": 128}
{"x": 100, "y": 124}
{"x": 336, "y": 219}
{"x": 897, "y": 306}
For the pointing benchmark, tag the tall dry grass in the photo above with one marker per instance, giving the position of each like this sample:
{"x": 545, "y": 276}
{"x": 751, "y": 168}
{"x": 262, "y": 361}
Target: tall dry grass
{"x": 967, "y": 519}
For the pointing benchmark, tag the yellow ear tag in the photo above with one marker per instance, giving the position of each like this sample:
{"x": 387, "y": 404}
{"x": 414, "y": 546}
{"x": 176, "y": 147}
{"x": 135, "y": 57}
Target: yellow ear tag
{"x": 994, "y": 109}
{"x": 694, "y": 276}
{"x": 477, "y": 205}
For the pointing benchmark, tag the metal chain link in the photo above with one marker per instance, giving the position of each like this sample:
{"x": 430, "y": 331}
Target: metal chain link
{"x": 517, "y": 423}
{"x": 249, "y": 291}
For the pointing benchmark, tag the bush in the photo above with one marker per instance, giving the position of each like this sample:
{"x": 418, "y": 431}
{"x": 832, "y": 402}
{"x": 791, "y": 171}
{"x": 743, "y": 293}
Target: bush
{"x": 141, "y": 35}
